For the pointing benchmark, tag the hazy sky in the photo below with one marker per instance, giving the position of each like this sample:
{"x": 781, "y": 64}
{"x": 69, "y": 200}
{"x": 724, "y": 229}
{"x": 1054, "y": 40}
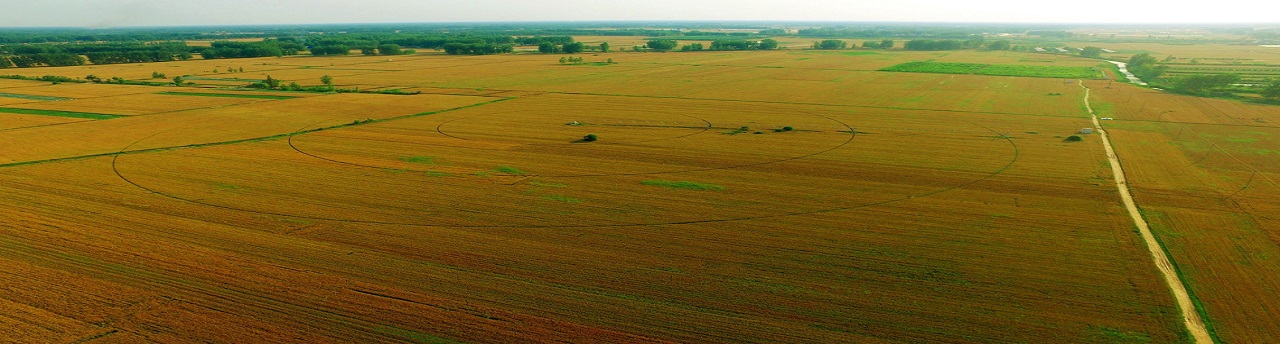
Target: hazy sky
{"x": 115, "y": 13}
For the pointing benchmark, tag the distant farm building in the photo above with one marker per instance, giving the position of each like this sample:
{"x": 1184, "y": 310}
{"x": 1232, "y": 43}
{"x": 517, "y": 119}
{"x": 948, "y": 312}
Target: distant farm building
{"x": 1109, "y": 51}
{"x": 1086, "y": 131}
{"x": 1041, "y": 50}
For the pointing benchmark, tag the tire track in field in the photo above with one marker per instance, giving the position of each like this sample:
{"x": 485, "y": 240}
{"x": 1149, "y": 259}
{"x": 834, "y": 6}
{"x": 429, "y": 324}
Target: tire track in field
{"x": 1190, "y": 314}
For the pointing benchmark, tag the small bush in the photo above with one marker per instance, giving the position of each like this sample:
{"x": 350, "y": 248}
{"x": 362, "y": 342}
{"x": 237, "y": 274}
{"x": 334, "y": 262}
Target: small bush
{"x": 1074, "y": 138}
{"x": 590, "y": 138}
{"x": 788, "y": 128}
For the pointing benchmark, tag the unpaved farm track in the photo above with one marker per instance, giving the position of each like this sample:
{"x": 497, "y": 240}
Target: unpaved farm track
{"x": 1192, "y": 319}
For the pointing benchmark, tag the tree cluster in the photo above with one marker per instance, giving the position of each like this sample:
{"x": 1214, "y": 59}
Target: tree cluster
{"x": 230, "y": 49}
{"x": 830, "y": 44}
{"x": 1272, "y": 90}
{"x": 999, "y": 45}
{"x": 539, "y": 40}
{"x": 884, "y": 44}
{"x": 934, "y": 44}
{"x": 1204, "y": 84}
{"x": 51, "y": 60}
{"x": 738, "y": 44}
{"x": 661, "y": 44}
{"x": 1146, "y": 67}
{"x": 477, "y": 48}
{"x": 1091, "y": 52}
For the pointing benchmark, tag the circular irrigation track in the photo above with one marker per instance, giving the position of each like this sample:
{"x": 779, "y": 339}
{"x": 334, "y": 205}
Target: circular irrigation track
{"x": 710, "y": 218}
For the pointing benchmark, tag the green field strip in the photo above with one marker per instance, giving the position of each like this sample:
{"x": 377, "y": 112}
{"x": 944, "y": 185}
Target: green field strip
{"x": 995, "y": 70}
{"x": 31, "y": 97}
{"x": 57, "y": 113}
{"x": 227, "y": 95}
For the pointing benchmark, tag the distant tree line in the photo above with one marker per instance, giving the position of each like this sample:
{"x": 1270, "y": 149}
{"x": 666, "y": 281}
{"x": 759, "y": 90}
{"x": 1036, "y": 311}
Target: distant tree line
{"x": 54, "y": 55}
{"x": 41, "y": 60}
{"x": 941, "y": 44}
{"x": 884, "y": 44}
{"x": 830, "y": 44}
{"x": 477, "y": 48}
{"x": 270, "y": 47}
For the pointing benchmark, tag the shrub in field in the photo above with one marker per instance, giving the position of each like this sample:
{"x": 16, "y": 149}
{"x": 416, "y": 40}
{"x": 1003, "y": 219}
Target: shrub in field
{"x": 1074, "y": 138}
{"x": 590, "y": 138}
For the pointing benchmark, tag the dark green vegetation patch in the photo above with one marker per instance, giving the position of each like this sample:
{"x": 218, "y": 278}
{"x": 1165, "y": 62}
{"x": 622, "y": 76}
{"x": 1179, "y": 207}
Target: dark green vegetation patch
{"x": 227, "y": 95}
{"x": 57, "y": 113}
{"x": 672, "y": 184}
{"x": 998, "y": 70}
{"x": 31, "y": 97}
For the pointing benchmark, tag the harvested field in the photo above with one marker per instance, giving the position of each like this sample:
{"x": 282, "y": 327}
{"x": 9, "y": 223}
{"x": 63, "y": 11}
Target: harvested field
{"x": 1205, "y": 175}
{"x": 754, "y": 197}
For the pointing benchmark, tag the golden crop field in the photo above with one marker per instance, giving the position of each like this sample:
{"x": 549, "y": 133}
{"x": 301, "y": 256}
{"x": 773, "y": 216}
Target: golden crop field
{"x": 751, "y": 197}
{"x": 1206, "y": 175}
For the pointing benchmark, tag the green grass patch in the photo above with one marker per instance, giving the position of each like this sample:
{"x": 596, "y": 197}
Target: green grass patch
{"x": 560, "y": 198}
{"x": 226, "y": 187}
{"x": 510, "y": 170}
{"x": 737, "y": 131}
{"x": 682, "y": 184}
{"x": 425, "y": 160}
{"x": 415, "y": 336}
{"x": 547, "y": 184}
{"x": 995, "y": 69}
{"x": 56, "y": 113}
{"x": 227, "y": 95}
{"x": 1111, "y": 335}
{"x": 31, "y": 97}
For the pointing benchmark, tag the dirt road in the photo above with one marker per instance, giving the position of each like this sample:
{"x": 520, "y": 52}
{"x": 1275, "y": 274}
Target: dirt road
{"x": 1191, "y": 318}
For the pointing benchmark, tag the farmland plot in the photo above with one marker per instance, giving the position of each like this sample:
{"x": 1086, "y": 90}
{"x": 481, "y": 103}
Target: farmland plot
{"x": 1204, "y": 172}
{"x": 726, "y": 199}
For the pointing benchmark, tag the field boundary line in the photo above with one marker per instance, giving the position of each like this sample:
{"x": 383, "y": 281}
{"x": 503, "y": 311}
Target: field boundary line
{"x": 1190, "y": 314}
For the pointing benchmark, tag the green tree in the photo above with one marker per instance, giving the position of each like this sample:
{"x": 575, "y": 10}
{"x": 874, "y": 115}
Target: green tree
{"x": 326, "y": 80}
{"x": 177, "y": 80}
{"x": 999, "y": 45}
{"x": 662, "y": 44}
{"x": 548, "y": 48}
{"x": 272, "y": 83}
{"x": 604, "y": 47}
{"x": 1091, "y": 52}
{"x": 1146, "y": 67}
{"x": 768, "y": 44}
{"x": 1272, "y": 91}
{"x": 389, "y": 49}
{"x": 158, "y": 75}
{"x": 886, "y": 44}
{"x": 573, "y": 48}
{"x": 830, "y": 44}
{"x": 563, "y": 60}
